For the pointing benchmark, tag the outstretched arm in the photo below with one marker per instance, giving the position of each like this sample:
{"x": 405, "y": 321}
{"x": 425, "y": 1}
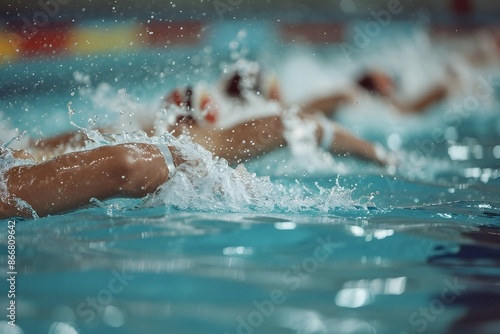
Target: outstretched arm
{"x": 243, "y": 141}
{"x": 71, "y": 180}
{"x": 328, "y": 104}
{"x": 420, "y": 105}
{"x": 254, "y": 138}
{"x": 347, "y": 143}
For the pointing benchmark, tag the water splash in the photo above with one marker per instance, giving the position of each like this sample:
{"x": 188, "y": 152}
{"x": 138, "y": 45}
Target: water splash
{"x": 7, "y": 162}
{"x": 208, "y": 184}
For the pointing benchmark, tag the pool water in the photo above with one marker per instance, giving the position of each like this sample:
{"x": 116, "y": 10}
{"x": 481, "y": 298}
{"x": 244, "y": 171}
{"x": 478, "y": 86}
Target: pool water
{"x": 290, "y": 244}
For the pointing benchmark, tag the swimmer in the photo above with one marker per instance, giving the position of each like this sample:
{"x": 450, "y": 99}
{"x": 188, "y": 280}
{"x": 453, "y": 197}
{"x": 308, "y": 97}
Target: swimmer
{"x": 375, "y": 82}
{"x": 242, "y": 92}
{"x": 245, "y": 88}
{"x": 380, "y": 85}
{"x": 52, "y": 182}
{"x": 70, "y": 181}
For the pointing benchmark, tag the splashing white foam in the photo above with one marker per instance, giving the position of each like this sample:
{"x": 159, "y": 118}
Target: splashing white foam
{"x": 208, "y": 184}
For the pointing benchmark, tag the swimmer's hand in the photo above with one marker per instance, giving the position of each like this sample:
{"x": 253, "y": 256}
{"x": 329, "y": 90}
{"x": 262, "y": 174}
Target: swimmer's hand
{"x": 384, "y": 158}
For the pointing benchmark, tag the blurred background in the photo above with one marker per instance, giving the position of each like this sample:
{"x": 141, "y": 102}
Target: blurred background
{"x": 111, "y": 59}
{"x": 478, "y": 10}
{"x": 59, "y": 29}
{"x": 44, "y": 44}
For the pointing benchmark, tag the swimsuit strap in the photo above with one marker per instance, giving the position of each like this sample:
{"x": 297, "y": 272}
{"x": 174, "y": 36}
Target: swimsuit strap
{"x": 380, "y": 152}
{"x": 327, "y": 132}
{"x": 169, "y": 160}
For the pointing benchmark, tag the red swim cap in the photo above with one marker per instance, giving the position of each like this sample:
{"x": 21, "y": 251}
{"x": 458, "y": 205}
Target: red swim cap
{"x": 194, "y": 105}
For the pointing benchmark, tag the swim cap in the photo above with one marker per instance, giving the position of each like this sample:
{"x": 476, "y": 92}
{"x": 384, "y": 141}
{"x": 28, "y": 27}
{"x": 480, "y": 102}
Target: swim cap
{"x": 376, "y": 82}
{"x": 245, "y": 78}
{"x": 194, "y": 105}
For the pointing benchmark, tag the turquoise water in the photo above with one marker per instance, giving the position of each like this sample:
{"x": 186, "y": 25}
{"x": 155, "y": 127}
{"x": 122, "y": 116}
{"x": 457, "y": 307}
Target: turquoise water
{"x": 326, "y": 246}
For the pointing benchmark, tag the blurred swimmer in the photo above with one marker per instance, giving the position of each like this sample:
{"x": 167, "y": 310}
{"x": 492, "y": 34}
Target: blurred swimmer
{"x": 241, "y": 82}
{"x": 65, "y": 181}
{"x": 242, "y": 118}
{"x": 379, "y": 84}
{"x": 259, "y": 119}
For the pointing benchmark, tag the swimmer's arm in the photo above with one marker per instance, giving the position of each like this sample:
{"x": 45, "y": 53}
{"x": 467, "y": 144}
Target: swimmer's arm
{"x": 71, "y": 180}
{"x": 252, "y": 139}
{"x": 420, "y": 105}
{"x": 348, "y": 143}
{"x": 328, "y": 104}
{"x": 244, "y": 141}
